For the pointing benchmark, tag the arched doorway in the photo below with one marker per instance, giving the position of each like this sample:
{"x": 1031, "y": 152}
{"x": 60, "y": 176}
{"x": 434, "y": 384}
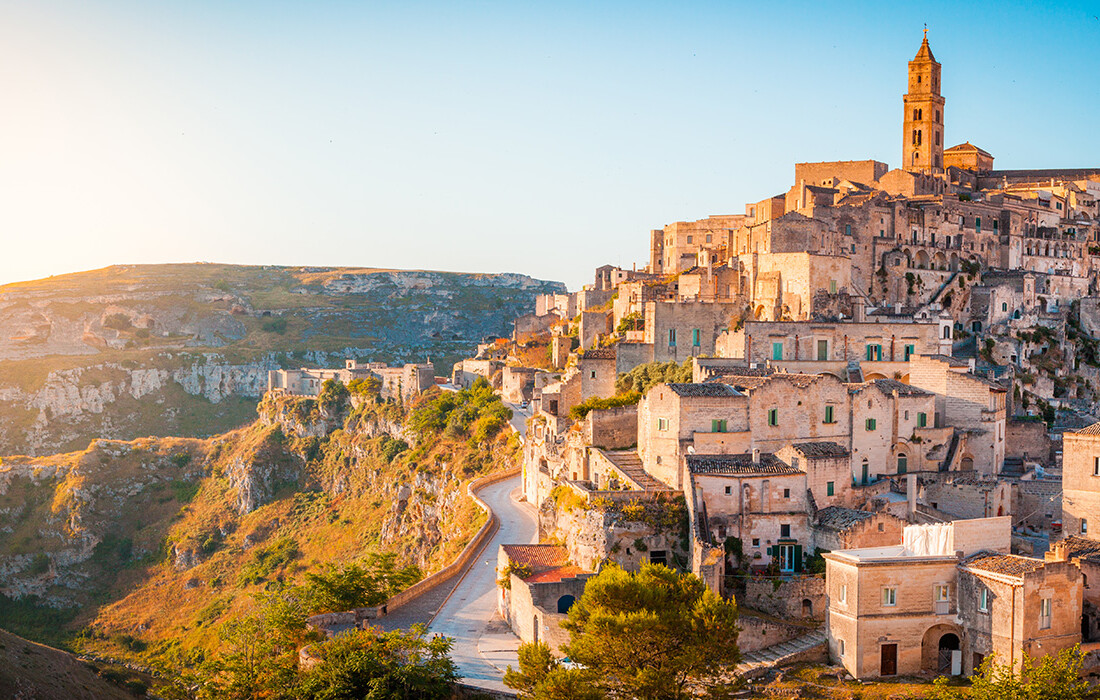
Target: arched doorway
{"x": 966, "y": 464}
{"x": 807, "y": 607}
{"x": 564, "y": 603}
{"x": 948, "y": 648}
{"x": 941, "y": 650}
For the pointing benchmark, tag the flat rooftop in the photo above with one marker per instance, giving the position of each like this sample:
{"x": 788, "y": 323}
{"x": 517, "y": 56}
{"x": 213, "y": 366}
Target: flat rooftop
{"x": 895, "y": 552}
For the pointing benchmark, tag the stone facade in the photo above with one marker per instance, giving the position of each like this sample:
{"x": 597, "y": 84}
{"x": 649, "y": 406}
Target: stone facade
{"x": 400, "y": 383}
{"x": 1081, "y": 481}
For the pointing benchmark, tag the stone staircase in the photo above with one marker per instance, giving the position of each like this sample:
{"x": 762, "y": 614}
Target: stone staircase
{"x": 778, "y": 654}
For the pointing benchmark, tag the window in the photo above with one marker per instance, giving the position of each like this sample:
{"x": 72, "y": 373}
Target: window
{"x": 829, "y": 491}
{"x": 1084, "y": 526}
{"x": 1044, "y": 613}
{"x": 822, "y": 350}
{"x": 978, "y": 224}
{"x": 729, "y": 490}
{"x": 874, "y": 352}
{"x": 1096, "y": 466}
{"x": 695, "y": 337}
{"x": 841, "y": 644}
{"x": 889, "y": 597}
{"x": 671, "y": 336}
{"x": 870, "y": 424}
{"x": 843, "y": 593}
{"x": 1004, "y": 306}
{"x": 708, "y": 238}
{"x": 662, "y": 424}
{"x": 909, "y": 351}
{"x": 983, "y": 600}
{"x": 777, "y": 350}
{"x": 593, "y": 374}
{"x": 784, "y": 530}
{"x": 718, "y": 426}
{"x": 941, "y": 593}
{"x": 847, "y": 229}
{"x": 689, "y": 239}
{"x": 786, "y": 493}
{"x": 829, "y": 415}
{"x": 773, "y": 416}
{"x": 922, "y": 420}
{"x": 832, "y": 286}
{"x": 903, "y": 464}
{"x": 755, "y": 541}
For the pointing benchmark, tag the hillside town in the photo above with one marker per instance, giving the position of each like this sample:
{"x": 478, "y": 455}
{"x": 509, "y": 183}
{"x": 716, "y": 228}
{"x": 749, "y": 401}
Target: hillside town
{"x": 865, "y": 408}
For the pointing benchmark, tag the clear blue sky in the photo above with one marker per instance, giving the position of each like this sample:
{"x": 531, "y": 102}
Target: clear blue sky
{"x": 542, "y": 138}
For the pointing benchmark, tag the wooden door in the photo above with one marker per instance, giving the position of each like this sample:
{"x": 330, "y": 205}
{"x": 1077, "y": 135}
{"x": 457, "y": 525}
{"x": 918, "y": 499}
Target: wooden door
{"x": 888, "y": 664}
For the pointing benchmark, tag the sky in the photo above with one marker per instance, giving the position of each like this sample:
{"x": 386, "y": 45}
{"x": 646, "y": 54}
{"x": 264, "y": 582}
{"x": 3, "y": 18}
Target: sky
{"x": 540, "y": 138}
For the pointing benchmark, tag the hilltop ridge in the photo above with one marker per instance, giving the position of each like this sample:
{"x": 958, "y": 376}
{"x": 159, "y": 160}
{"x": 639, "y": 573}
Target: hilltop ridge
{"x": 184, "y": 349}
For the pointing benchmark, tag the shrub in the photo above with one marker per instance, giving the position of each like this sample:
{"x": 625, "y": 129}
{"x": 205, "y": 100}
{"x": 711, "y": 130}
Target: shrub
{"x": 275, "y": 325}
{"x": 117, "y": 321}
{"x": 266, "y": 560}
{"x": 581, "y": 410}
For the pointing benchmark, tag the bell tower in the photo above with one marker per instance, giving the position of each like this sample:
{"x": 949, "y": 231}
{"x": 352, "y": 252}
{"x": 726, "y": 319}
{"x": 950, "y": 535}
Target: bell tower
{"x": 922, "y": 131}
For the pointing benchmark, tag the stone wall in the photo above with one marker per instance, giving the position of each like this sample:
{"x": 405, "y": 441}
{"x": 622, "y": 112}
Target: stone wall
{"x": 1027, "y": 440}
{"x": 760, "y": 633}
{"x": 1080, "y": 484}
{"x": 612, "y": 428}
{"x": 786, "y": 597}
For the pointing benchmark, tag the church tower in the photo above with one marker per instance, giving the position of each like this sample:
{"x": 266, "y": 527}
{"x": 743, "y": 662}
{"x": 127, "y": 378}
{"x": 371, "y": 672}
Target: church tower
{"x": 922, "y": 133}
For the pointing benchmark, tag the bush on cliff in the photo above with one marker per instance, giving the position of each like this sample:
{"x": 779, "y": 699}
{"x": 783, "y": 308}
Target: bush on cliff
{"x": 643, "y": 377}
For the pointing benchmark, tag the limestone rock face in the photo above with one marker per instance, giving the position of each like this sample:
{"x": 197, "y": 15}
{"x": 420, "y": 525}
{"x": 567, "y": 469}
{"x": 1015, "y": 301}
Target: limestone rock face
{"x": 185, "y": 350}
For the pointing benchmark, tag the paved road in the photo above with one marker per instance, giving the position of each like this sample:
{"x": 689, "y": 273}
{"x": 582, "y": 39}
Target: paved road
{"x": 484, "y": 646}
{"x": 519, "y": 419}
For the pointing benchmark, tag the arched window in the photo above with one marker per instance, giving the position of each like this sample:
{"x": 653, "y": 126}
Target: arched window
{"x": 914, "y": 137}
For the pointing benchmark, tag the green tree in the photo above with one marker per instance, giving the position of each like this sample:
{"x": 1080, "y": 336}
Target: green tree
{"x": 1054, "y": 677}
{"x": 373, "y": 665}
{"x": 358, "y": 585}
{"x": 643, "y": 377}
{"x": 333, "y": 398}
{"x": 542, "y": 677}
{"x": 654, "y": 635}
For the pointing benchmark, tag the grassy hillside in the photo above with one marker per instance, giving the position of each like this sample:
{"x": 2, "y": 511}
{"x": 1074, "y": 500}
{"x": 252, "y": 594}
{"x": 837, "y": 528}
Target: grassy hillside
{"x": 136, "y": 350}
{"x": 140, "y": 550}
{"x": 29, "y": 670}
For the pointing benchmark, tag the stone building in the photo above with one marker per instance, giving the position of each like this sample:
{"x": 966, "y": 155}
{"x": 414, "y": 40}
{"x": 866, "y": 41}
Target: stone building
{"x": 916, "y": 606}
{"x": 403, "y": 383}
{"x": 534, "y": 604}
{"x": 1081, "y": 481}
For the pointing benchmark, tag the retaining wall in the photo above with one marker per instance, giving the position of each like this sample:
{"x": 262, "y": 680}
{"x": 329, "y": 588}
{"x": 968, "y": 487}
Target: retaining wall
{"x": 354, "y": 617}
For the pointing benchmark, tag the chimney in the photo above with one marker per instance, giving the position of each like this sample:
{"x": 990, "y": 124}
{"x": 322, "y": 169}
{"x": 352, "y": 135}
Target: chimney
{"x": 756, "y": 455}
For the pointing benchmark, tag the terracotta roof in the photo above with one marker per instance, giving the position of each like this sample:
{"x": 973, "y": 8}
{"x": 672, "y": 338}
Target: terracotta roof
{"x": 739, "y": 464}
{"x": 740, "y": 382}
{"x": 924, "y": 53}
{"x": 1006, "y": 564}
{"x": 607, "y": 353}
{"x": 1093, "y": 429}
{"x": 1080, "y": 547}
{"x": 837, "y": 518}
{"x": 538, "y": 556}
{"x": 556, "y": 574}
{"x": 953, "y": 361}
{"x": 739, "y": 371}
{"x": 967, "y": 147}
{"x": 712, "y": 389}
{"x": 888, "y": 386}
{"x": 821, "y": 449}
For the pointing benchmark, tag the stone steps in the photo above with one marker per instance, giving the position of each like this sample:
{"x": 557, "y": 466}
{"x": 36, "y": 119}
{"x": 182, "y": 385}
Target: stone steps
{"x": 777, "y": 653}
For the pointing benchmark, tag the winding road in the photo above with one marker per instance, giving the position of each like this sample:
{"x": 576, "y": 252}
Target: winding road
{"x": 483, "y": 644}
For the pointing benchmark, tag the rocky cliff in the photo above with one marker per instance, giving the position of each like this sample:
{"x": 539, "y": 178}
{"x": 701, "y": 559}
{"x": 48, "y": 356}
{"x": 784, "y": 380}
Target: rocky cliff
{"x": 184, "y": 350}
{"x": 159, "y": 539}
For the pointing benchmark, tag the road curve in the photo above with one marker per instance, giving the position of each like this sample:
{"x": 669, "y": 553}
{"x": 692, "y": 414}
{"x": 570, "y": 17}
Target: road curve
{"x": 483, "y": 644}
